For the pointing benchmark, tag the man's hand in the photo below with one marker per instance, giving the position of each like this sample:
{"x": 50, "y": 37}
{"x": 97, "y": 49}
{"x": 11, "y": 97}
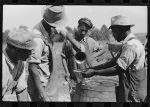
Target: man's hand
{"x": 66, "y": 32}
{"x": 69, "y": 29}
{"x": 89, "y": 73}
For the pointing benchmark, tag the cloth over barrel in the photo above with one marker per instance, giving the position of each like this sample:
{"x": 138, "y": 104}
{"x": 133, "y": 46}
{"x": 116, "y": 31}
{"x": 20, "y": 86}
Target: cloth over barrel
{"x": 94, "y": 90}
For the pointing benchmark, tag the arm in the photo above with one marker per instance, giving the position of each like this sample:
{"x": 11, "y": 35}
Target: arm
{"x": 33, "y": 69}
{"x": 33, "y": 61}
{"x": 105, "y": 65}
{"x": 122, "y": 63}
{"x": 74, "y": 42}
{"x": 69, "y": 35}
{"x": 111, "y": 71}
{"x": 104, "y": 72}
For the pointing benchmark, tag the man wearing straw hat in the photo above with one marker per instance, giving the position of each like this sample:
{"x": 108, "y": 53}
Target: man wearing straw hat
{"x": 19, "y": 46}
{"x": 129, "y": 65}
{"x": 45, "y": 77}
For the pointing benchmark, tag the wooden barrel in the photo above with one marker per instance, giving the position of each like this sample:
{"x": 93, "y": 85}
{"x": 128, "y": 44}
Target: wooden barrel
{"x": 92, "y": 91}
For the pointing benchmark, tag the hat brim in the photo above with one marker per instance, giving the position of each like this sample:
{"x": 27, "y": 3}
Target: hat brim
{"x": 33, "y": 45}
{"x": 59, "y": 23}
{"x": 30, "y": 47}
{"x": 121, "y": 25}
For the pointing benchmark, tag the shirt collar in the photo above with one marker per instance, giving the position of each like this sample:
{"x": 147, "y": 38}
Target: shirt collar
{"x": 43, "y": 30}
{"x": 84, "y": 39}
{"x": 129, "y": 36}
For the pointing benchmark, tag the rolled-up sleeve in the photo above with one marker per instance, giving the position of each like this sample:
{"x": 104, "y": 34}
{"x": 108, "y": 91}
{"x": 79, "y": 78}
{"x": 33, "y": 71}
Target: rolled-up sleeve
{"x": 126, "y": 58}
{"x": 35, "y": 57}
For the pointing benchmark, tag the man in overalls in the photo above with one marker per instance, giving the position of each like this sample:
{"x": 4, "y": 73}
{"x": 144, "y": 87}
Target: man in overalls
{"x": 129, "y": 65}
{"x": 19, "y": 46}
{"x": 45, "y": 80}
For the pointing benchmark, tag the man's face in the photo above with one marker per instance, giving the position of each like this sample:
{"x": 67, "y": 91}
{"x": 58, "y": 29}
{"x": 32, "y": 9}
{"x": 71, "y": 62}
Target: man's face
{"x": 82, "y": 30}
{"x": 23, "y": 54}
{"x": 116, "y": 32}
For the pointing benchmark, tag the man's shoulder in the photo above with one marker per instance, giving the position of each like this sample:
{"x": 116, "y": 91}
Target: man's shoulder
{"x": 37, "y": 25}
{"x": 134, "y": 42}
{"x": 38, "y": 37}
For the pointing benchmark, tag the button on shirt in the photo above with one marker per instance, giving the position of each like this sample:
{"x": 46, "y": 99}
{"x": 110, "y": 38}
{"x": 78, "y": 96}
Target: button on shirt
{"x": 8, "y": 76}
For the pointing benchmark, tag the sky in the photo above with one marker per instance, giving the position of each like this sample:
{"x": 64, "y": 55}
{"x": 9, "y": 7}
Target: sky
{"x": 30, "y": 15}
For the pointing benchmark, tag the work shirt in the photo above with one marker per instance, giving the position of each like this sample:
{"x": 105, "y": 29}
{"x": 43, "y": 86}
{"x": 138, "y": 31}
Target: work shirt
{"x": 8, "y": 75}
{"x": 93, "y": 46}
{"x": 86, "y": 44}
{"x": 40, "y": 54}
{"x": 52, "y": 77}
{"x": 133, "y": 78}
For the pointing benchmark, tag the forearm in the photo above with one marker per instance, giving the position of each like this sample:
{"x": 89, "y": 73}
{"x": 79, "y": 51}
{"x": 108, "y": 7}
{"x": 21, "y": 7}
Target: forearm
{"x": 22, "y": 95}
{"x": 73, "y": 41}
{"x": 36, "y": 80}
{"x": 106, "y": 72}
{"x": 105, "y": 65}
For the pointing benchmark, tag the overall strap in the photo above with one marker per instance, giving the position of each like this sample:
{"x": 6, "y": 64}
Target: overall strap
{"x": 132, "y": 38}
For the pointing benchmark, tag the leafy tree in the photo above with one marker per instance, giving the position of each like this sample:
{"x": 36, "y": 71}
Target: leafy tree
{"x": 99, "y": 34}
{"x": 105, "y": 32}
{"x": 95, "y": 33}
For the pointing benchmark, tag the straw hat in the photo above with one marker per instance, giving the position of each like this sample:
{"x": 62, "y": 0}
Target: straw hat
{"x": 121, "y": 21}
{"x": 21, "y": 39}
{"x": 54, "y": 15}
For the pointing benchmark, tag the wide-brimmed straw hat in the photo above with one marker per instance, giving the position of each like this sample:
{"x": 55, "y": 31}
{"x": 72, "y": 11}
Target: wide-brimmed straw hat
{"x": 120, "y": 20}
{"x": 54, "y": 15}
{"x": 21, "y": 39}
